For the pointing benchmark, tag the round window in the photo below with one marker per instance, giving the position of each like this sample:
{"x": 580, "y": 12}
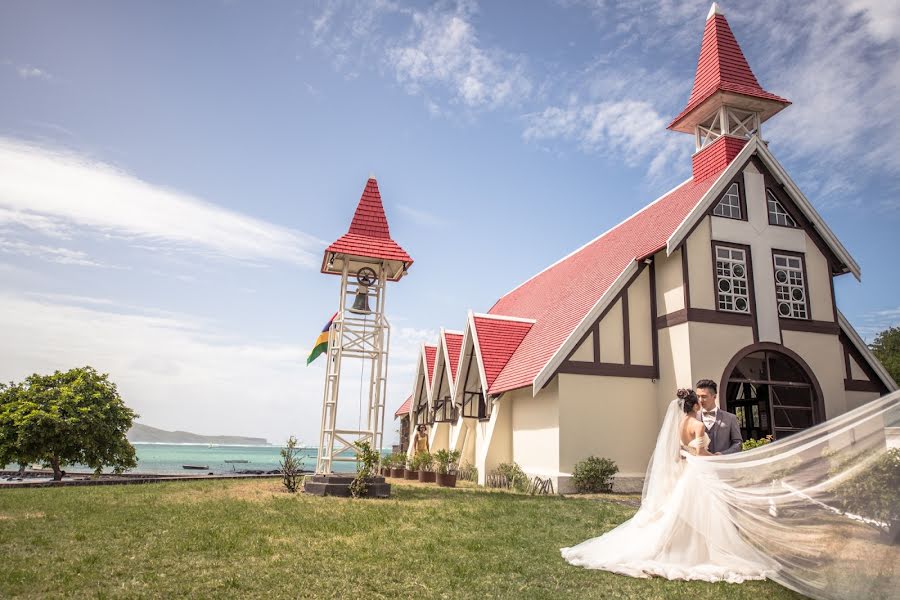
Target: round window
{"x": 784, "y": 309}
{"x": 741, "y": 304}
{"x": 724, "y": 285}
{"x": 797, "y": 294}
{"x": 738, "y": 270}
{"x": 781, "y": 276}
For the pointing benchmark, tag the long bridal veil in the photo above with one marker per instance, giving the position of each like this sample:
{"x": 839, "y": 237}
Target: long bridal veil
{"x": 823, "y": 504}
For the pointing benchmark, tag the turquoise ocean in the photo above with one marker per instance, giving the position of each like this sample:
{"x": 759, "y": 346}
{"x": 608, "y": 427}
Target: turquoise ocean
{"x": 169, "y": 458}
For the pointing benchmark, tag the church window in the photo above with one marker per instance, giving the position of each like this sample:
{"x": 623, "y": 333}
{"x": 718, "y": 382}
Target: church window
{"x": 777, "y": 214}
{"x": 730, "y": 204}
{"x": 710, "y": 130}
{"x": 790, "y": 287}
{"x": 732, "y": 287}
{"x": 741, "y": 123}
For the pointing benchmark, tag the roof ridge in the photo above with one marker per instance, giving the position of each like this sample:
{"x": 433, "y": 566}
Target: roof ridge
{"x": 503, "y": 318}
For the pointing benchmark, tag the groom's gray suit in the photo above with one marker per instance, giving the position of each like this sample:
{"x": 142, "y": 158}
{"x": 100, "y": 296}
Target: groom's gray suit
{"x": 725, "y": 434}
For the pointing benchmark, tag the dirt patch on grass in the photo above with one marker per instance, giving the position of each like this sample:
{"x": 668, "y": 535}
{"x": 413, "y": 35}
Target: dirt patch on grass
{"x": 26, "y": 515}
{"x": 247, "y": 491}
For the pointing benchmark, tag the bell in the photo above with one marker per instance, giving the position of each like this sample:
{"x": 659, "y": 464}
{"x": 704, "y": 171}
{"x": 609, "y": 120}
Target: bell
{"x": 361, "y": 302}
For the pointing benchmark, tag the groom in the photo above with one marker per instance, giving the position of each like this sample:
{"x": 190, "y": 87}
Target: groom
{"x": 722, "y": 427}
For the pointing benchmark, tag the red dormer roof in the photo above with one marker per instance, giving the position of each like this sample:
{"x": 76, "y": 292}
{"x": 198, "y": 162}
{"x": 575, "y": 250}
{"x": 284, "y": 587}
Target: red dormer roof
{"x": 454, "y": 346}
{"x": 722, "y": 67}
{"x": 404, "y": 408}
{"x": 430, "y": 354}
{"x": 369, "y": 234}
{"x": 560, "y": 297}
{"x": 498, "y": 338}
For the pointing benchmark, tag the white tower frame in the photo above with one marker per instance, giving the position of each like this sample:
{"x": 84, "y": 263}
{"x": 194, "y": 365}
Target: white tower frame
{"x": 364, "y": 337}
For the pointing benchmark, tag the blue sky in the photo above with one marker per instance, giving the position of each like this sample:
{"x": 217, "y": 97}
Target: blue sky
{"x": 171, "y": 172}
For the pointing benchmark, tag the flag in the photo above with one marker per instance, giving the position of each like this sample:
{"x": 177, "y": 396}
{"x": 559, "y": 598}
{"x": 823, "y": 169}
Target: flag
{"x": 321, "y": 344}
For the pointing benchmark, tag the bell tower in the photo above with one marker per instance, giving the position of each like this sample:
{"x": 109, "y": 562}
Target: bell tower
{"x": 727, "y": 105}
{"x": 366, "y": 258}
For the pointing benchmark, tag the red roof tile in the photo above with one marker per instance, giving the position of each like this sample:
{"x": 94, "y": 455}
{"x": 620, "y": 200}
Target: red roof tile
{"x": 498, "y": 339}
{"x": 454, "y": 346}
{"x": 369, "y": 234}
{"x": 561, "y": 296}
{"x": 430, "y": 354}
{"x": 722, "y": 67}
{"x": 713, "y": 159}
{"x": 404, "y": 408}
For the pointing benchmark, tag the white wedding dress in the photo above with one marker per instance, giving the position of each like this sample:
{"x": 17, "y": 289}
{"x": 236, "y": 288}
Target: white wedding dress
{"x": 816, "y": 511}
{"x": 687, "y": 534}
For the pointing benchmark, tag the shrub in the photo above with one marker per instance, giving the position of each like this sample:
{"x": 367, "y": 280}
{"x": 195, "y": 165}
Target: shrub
{"x": 366, "y": 460}
{"x": 291, "y": 465}
{"x": 424, "y": 461}
{"x": 751, "y": 443}
{"x": 447, "y": 461}
{"x": 509, "y": 476}
{"x": 594, "y": 474}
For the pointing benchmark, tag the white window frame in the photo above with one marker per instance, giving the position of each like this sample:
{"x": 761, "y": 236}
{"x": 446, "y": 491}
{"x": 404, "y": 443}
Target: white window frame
{"x": 731, "y": 209}
{"x": 777, "y": 214}
{"x": 790, "y": 286}
{"x": 732, "y": 279}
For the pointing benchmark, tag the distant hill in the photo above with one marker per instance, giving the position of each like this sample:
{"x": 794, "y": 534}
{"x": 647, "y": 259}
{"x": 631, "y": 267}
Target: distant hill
{"x": 145, "y": 433}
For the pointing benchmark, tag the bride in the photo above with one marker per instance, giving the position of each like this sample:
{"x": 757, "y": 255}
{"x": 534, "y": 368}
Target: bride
{"x": 817, "y": 511}
{"x": 680, "y": 531}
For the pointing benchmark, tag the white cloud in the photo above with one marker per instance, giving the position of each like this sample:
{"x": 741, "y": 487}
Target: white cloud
{"x": 443, "y": 49}
{"x": 63, "y": 256}
{"x": 631, "y": 129}
{"x": 29, "y": 72}
{"x": 184, "y": 372}
{"x": 53, "y": 191}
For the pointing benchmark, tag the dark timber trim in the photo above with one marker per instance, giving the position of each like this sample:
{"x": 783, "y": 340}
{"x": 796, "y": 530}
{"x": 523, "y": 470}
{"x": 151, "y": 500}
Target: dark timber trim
{"x": 851, "y": 351}
{"x": 626, "y": 329}
{"x": 654, "y": 332}
{"x": 685, "y": 276}
{"x": 704, "y": 315}
{"x": 853, "y": 385}
{"x": 739, "y": 180}
{"x": 826, "y": 327}
{"x": 608, "y": 369}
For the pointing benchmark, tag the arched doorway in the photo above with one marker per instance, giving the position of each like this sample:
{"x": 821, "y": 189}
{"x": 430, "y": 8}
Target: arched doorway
{"x": 772, "y": 391}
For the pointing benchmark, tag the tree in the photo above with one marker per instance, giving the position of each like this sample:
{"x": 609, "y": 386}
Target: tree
{"x": 886, "y": 348}
{"x": 66, "y": 418}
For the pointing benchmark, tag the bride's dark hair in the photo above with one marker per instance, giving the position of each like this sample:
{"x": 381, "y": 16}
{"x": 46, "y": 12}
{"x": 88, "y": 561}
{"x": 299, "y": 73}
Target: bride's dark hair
{"x": 688, "y": 400}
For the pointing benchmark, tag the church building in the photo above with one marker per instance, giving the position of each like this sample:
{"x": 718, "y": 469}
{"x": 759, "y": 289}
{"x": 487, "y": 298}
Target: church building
{"x": 728, "y": 276}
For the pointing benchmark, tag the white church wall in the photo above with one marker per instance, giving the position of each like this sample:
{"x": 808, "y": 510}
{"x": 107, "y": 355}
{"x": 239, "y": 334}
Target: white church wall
{"x": 824, "y": 355}
{"x": 818, "y": 276}
{"x": 612, "y": 336}
{"x": 700, "y": 267}
{"x": 535, "y": 429}
{"x": 612, "y": 417}
{"x": 857, "y": 399}
{"x": 494, "y": 445}
{"x": 674, "y": 365}
{"x": 669, "y": 282}
{"x": 585, "y": 350}
{"x": 641, "y": 334}
{"x": 713, "y": 345}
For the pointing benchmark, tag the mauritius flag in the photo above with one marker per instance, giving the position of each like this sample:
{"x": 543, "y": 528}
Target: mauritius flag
{"x": 321, "y": 344}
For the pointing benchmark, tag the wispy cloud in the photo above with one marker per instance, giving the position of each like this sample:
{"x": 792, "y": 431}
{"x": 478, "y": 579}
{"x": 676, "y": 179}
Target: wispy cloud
{"x": 183, "y": 372}
{"x": 54, "y": 191}
{"x": 443, "y": 49}
{"x": 872, "y": 323}
{"x": 631, "y": 129}
{"x": 63, "y": 256}
{"x": 26, "y": 71}
{"x": 420, "y": 216}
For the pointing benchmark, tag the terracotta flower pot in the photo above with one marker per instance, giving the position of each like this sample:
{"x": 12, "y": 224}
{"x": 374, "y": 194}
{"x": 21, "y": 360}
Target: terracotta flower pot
{"x": 397, "y": 472}
{"x": 411, "y": 475}
{"x": 446, "y": 480}
{"x": 426, "y": 476}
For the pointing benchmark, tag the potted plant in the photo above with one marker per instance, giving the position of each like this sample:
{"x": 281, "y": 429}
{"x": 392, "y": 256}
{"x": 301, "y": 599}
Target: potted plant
{"x": 447, "y": 463}
{"x": 412, "y": 468}
{"x": 426, "y": 467}
{"x": 398, "y": 460}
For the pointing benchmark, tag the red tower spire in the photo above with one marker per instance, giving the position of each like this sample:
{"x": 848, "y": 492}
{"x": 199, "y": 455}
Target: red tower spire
{"x": 369, "y": 237}
{"x": 724, "y": 77}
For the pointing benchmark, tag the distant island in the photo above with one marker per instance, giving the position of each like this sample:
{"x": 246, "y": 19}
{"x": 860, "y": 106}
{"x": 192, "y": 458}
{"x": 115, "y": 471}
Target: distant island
{"x": 146, "y": 434}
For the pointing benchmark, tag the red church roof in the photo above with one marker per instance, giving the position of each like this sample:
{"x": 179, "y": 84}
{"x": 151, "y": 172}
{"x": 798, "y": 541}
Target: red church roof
{"x": 722, "y": 67}
{"x": 404, "y": 408}
{"x": 454, "y": 346}
{"x": 498, "y": 337}
{"x": 559, "y": 297}
{"x": 430, "y": 354}
{"x": 369, "y": 234}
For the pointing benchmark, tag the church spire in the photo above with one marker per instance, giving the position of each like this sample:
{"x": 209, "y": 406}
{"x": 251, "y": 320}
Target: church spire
{"x": 727, "y": 99}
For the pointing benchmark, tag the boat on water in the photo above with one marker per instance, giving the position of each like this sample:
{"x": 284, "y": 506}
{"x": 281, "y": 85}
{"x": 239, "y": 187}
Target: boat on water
{"x": 238, "y": 460}
{"x": 196, "y": 467}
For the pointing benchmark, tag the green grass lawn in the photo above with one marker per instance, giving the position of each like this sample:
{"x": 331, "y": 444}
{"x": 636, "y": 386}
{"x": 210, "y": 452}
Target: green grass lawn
{"x": 247, "y": 538}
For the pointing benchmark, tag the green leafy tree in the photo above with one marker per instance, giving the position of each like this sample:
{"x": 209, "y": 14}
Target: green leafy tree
{"x": 886, "y": 348}
{"x": 65, "y": 418}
